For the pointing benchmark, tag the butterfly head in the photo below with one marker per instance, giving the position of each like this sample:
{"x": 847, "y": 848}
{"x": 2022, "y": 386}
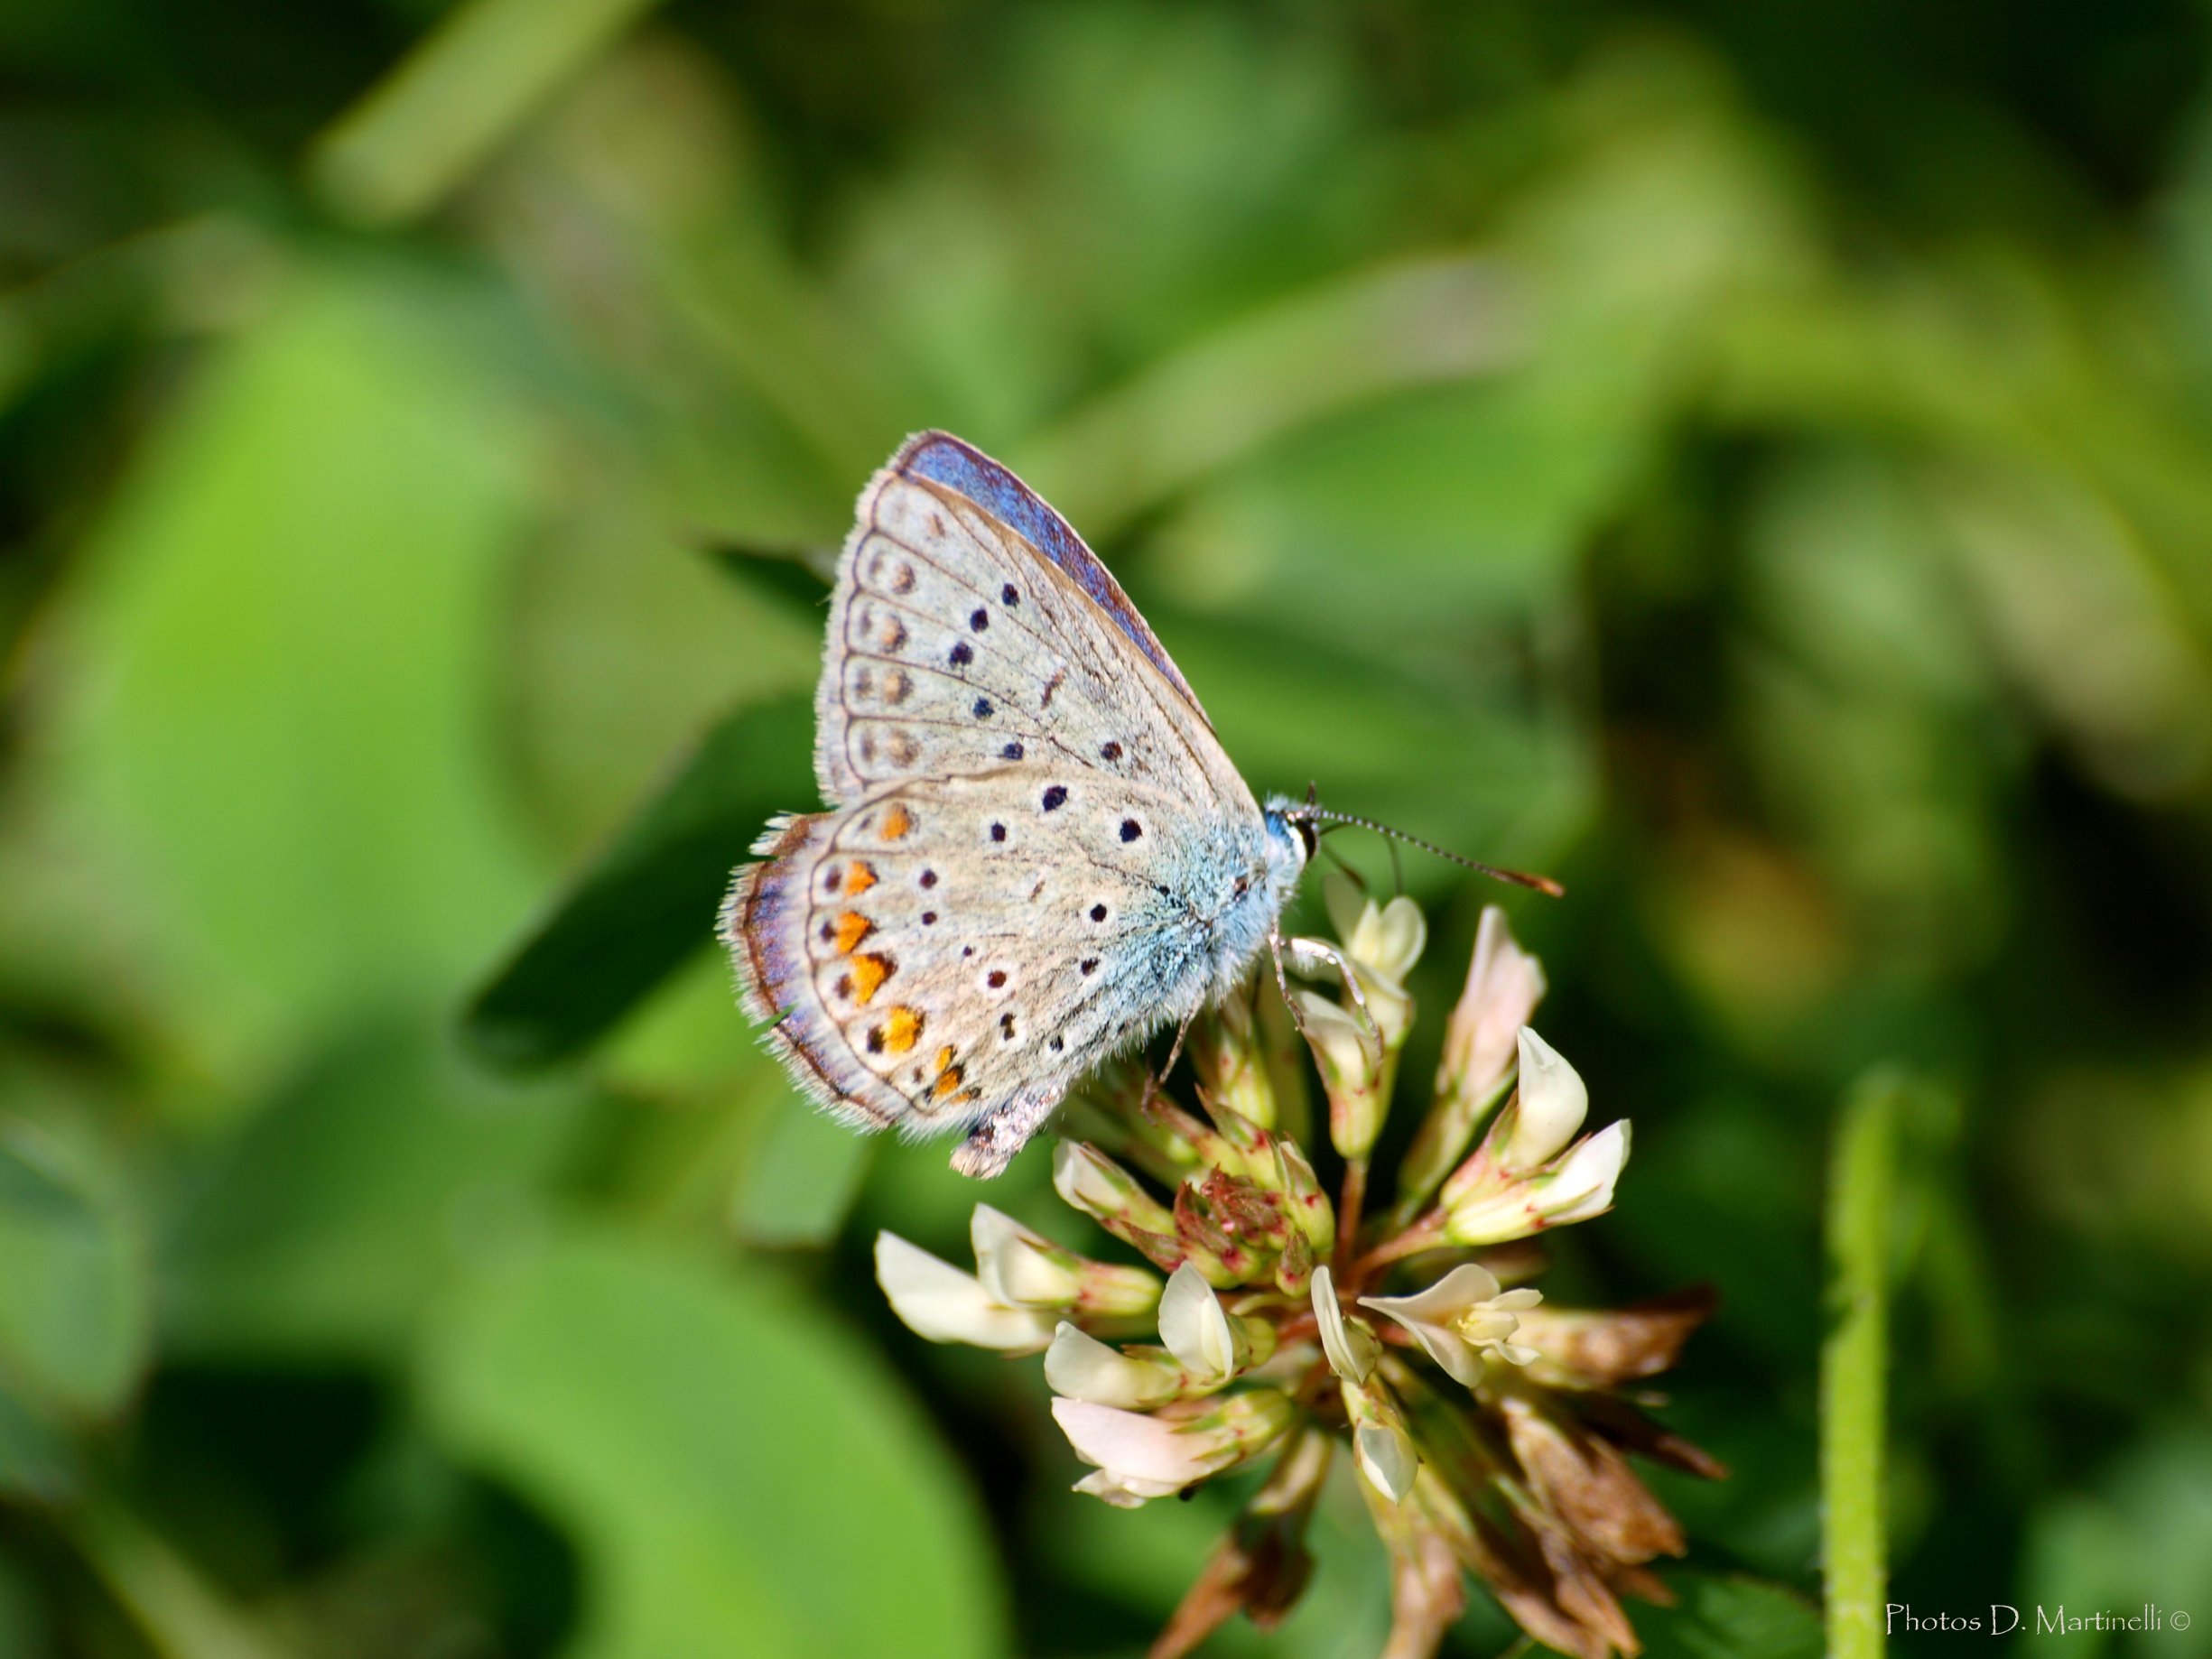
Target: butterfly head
{"x": 1291, "y": 836}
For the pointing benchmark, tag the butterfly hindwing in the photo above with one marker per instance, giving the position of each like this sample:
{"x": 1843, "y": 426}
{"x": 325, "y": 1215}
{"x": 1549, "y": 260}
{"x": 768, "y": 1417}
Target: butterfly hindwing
{"x": 936, "y": 950}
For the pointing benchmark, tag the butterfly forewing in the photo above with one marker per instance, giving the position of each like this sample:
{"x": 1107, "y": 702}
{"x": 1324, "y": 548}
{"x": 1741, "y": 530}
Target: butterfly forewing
{"x": 956, "y": 647}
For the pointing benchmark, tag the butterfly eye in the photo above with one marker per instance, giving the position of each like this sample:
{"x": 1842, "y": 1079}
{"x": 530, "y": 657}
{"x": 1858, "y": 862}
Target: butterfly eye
{"x": 1241, "y": 888}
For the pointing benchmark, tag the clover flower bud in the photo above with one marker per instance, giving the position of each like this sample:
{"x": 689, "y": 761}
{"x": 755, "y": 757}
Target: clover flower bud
{"x": 1027, "y": 1270}
{"x": 1232, "y": 1230}
{"x": 937, "y": 1301}
{"x": 1232, "y": 1071}
{"x": 1350, "y": 1056}
{"x": 1309, "y": 1208}
{"x": 1091, "y": 1182}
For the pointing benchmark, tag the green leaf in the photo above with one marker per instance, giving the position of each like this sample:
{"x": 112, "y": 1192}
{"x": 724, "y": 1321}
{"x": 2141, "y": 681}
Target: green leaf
{"x": 1729, "y": 1618}
{"x": 739, "y": 1476}
{"x": 295, "y": 600}
{"x": 73, "y": 1293}
{"x": 323, "y": 1226}
{"x": 804, "y": 1173}
{"x": 650, "y": 899}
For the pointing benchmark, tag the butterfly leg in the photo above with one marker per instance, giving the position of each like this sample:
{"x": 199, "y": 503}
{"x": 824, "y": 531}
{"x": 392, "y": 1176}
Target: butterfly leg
{"x": 1157, "y": 1080}
{"x": 991, "y": 1144}
{"x": 1282, "y": 981}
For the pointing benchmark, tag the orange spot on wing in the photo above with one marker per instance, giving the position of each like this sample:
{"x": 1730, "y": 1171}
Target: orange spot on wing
{"x": 947, "y": 1081}
{"x": 868, "y": 973}
{"x": 852, "y": 928}
{"x": 897, "y": 822}
{"x": 901, "y": 1030}
{"x": 859, "y": 878}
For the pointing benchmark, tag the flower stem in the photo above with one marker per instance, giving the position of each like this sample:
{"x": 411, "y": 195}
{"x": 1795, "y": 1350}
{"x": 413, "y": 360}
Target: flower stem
{"x": 1853, "y": 1363}
{"x": 1350, "y": 1201}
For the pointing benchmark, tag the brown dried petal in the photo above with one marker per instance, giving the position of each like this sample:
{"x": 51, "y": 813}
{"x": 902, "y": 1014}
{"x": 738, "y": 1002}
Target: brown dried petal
{"x": 1260, "y": 1570}
{"x": 1511, "y": 1563}
{"x": 1628, "y": 1428}
{"x": 1579, "y": 1586}
{"x": 1589, "y": 1485}
{"x": 1428, "y": 1595}
{"x": 1589, "y": 1349}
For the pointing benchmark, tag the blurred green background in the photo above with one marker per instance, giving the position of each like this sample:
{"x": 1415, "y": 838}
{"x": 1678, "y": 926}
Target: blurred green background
{"x": 1754, "y": 462}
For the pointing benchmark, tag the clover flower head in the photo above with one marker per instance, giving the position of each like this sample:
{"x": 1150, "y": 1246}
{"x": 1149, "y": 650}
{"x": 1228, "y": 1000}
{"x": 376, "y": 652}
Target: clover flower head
{"x": 1486, "y": 1428}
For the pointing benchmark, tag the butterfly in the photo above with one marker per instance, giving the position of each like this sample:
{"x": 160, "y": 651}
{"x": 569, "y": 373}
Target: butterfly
{"x": 1036, "y": 853}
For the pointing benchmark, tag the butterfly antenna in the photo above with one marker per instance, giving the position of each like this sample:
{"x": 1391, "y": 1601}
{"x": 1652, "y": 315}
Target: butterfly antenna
{"x": 1314, "y": 814}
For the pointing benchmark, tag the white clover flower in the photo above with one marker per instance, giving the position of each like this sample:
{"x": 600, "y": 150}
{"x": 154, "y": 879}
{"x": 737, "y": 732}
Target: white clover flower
{"x": 1091, "y": 1182}
{"x": 939, "y": 1301}
{"x": 1554, "y": 1100}
{"x": 1582, "y": 1186}
{"x": 1018, "y": 1266}
{"x": 1531, "y": 1172}
{"x": 1141, "y": 1456}
{"x": 1384, "y": 1451}
{"x": 1195, "y": 1328}
{"x": 1351, "y": 1348}
{"x": 1354, "y": 1071}
{"x": 1082, "y": 1368}
{"x": 1461, "y": 1318}
{"x": 1387, "y": 1457}
{"x": 1480, "y": 1479}
{"x": 1504, "y": 984}
{"x": 1346, "y": 1046}
{"x": 1494, "y": 1207}
{"x": 1386, "y": 940}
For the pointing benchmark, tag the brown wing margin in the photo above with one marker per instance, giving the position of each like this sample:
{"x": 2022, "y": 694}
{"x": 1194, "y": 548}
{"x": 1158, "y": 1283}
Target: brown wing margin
{"x": 759, "y": 926}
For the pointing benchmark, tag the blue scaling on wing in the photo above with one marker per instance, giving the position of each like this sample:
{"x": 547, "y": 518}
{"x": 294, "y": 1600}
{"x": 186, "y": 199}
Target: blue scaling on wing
{"x": 943, "y": 460}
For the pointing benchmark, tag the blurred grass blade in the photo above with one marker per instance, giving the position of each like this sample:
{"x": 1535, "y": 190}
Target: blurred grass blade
{"x": 1409, "y": 324}
{"x": 1854, "y": 1365}
{"x": 649, "y": 900}
{"x": 73, "y": 1294}
{"x": 179, "y": 1613}
{"x": 37, "y": 1465}
{"x": 427, "y": 124}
